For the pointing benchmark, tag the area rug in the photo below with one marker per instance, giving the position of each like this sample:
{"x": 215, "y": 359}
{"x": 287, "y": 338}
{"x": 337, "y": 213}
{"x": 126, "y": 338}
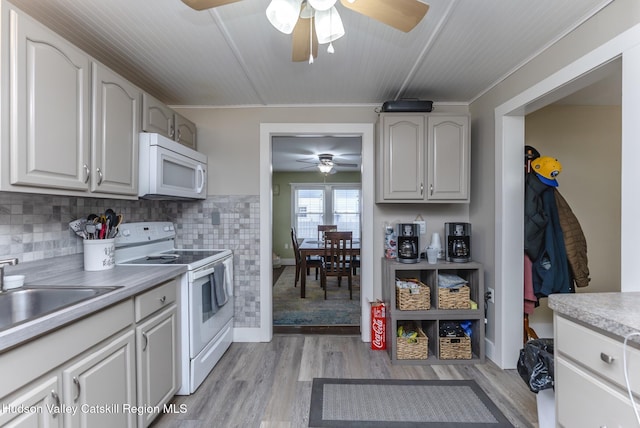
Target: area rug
{"x": 350, "y": 403}
{"x": 290, "y": 310}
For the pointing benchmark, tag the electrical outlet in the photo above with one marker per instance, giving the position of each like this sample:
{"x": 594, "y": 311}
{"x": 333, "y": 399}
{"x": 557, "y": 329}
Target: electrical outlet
{"x": 492, "y": 294}
{"x": 286, "y": 246}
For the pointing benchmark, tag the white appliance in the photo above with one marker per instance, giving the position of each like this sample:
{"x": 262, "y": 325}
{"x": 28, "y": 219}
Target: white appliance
{"x": 169, "y": 170}
{"x": 206, "y": 294}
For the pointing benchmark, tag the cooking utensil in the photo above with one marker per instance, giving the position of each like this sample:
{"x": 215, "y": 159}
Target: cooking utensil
{"x": 114, "y": 226}
{"x": 78, "y": 227}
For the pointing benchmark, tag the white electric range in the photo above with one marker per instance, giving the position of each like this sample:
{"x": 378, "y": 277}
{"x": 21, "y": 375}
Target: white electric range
{"x": 206, "y": 294}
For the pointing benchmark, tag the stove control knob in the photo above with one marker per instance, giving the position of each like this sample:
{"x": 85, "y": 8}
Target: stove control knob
{"x": 126, "y": 232}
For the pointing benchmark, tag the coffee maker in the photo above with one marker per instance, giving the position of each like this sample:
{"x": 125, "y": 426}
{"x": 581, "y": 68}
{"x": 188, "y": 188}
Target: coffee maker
{"x": 458, "y": 242}
{"x": 408, "y": 243}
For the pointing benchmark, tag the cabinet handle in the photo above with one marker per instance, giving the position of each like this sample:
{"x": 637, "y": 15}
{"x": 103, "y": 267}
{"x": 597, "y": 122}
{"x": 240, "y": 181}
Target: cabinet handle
{"x": 179, "y": 136}
{"x": 146, "y": 341}
{"x": 76, "y": 382}
{"x": 421, "y": 189}
{"x": 86, "y": 173}
{"x": 172, "y": 132}
{"x": 99, "y": 176}
{"x": 56, "y": 398}
{"x": 606, "y": 358}
{"x": 431, "y": 189}
{"x": 163, "y": 299}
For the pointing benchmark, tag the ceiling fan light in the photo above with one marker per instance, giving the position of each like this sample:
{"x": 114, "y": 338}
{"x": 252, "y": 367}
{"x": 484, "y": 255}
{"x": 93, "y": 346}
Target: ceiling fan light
{"x": 322, "y": 4}
{"x": 325, "y": 168}
{"x": 328, "y": 25}
{"x": 283, "y": 14}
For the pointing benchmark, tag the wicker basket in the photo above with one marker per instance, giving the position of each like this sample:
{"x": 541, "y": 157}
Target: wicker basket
{"x": 413, "y": 349}
{"x": 413, "y": 300}
{"x": 454, "y": 298}
{"x": 455, "y": 348}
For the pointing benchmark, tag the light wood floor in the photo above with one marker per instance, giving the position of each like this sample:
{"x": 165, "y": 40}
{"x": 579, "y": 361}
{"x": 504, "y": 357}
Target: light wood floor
{"x": 267, "y": 385}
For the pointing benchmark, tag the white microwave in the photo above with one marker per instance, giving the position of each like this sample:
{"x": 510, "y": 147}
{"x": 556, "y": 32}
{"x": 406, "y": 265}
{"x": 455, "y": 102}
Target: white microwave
{"x": 169, "y": 170}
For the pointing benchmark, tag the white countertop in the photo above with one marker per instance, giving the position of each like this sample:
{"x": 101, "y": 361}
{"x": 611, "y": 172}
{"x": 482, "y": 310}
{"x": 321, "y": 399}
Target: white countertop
{"x": 65, "y": 271}
{"x": 615, "y": 313}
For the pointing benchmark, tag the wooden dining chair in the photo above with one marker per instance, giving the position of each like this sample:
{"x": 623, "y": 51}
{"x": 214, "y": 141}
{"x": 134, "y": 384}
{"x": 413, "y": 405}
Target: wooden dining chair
{"x": 312, "y": 262}
{"x": 337, "y": 259}
{"x": 322, "y": 228}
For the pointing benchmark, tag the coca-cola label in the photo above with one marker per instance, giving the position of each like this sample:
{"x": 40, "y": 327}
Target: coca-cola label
{"x": 378, "y": 327}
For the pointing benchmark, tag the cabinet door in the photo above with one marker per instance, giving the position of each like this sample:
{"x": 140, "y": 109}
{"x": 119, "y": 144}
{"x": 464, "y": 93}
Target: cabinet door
{"x": 157, "y": 117}
{"x": 49, "y": 108}
{"x": 43, "y": 395}
{"x": 448, "y": 158}
{"x": 114, "y": 136}
{"x": 402, "y": 155}
{"x": 185, "y": 131}
{"x": 157, "y": 362}
{"x": 102, "y": 383}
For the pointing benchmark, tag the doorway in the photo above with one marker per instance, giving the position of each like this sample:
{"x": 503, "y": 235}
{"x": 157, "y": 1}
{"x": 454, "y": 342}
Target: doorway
{"x": 305, "y": 197}
{"x": 509, "y": 141}
{"x": 267, "y": 132}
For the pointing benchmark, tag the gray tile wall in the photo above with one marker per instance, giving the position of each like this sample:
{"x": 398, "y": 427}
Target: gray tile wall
{"x": 36, "y": 227}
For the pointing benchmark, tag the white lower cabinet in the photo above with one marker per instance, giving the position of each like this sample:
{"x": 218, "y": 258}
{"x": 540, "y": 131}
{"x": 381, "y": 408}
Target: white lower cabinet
{"x": 99, "y": 385}
{"x": 589, "y": 377}
{"x": 157, "y": 363}
{"x": 115, "y": 368}
{"x": 20, "y": 410}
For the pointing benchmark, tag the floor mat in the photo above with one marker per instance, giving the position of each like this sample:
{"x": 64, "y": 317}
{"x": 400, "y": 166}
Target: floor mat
{"x": 350, "y": 403}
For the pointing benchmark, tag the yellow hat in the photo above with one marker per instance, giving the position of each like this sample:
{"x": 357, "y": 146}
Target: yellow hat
{"x": 547, "y": 169}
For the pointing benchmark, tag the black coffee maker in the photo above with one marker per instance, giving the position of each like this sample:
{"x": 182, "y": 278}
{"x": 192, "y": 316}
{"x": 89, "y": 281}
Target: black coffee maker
{"x": 458, "y": 242}
{"x": 408, "y": 243}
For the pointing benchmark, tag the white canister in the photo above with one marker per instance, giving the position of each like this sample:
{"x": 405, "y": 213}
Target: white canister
{"x": 99, "y": 254}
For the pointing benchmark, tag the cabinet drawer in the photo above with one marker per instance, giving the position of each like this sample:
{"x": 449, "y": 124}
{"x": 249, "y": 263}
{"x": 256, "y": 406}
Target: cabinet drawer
{"x": 584, "y": 401}
{"x": 591, "y": 349}
{"x": 155, "y": 299}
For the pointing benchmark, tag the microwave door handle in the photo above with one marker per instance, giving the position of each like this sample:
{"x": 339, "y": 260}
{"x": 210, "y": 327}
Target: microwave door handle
{"x": 200, "y": 172}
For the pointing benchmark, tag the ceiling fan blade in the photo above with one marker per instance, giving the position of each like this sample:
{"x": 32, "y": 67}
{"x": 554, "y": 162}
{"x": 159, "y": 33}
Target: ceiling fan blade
{"x": 206, "y": 4}
{"x": 399, "y": 14}
{"x": 347, "y": 165}
{"x": 301, "y": 34}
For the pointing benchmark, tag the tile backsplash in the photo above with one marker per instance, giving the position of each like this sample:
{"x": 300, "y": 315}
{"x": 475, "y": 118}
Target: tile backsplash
{"x": 35, "y": 227}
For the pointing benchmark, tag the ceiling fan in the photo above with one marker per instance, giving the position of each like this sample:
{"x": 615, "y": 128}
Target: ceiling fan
{"x": 302, "y": 17}
{"x": 325, "y": 163}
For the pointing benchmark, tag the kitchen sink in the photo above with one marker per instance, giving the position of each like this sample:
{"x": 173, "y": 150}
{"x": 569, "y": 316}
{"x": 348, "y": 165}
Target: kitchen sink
{"x": 26, "y": 304}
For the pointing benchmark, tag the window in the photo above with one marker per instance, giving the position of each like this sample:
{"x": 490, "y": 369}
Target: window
{"x": 315, "y": 204}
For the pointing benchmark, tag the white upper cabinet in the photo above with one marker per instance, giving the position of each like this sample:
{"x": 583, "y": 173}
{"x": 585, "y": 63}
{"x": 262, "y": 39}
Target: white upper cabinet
{"x": 48, "y": 103}
{"x": 402, "y": 143}
{"x": 161, "y": 119}
{"x": 114, "y": 133}
{"x": 423, "y": 158}
{"x": 448, "y": 152}
{"x": 185, "y": 131}
{"x": 157, "y": 117}
{"x": 70, "y": 125}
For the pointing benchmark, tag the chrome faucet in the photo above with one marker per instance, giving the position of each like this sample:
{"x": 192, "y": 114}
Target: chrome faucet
{"x": 3, "y": 263}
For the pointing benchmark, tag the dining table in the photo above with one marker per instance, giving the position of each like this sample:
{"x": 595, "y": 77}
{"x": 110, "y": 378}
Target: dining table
{"x": 314, "y": 247}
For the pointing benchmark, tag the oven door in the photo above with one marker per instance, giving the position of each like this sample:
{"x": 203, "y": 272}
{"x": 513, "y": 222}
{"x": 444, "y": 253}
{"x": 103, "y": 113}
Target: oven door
{"x": 207, "y": 319}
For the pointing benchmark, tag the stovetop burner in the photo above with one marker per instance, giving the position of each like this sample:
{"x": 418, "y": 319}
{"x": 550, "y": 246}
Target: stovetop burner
{"x": 176, "y": 257}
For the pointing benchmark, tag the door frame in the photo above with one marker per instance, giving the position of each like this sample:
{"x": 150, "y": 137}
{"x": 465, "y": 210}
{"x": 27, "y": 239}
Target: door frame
{"x": 366, "y": 133}
{"x": 509, "y": 182}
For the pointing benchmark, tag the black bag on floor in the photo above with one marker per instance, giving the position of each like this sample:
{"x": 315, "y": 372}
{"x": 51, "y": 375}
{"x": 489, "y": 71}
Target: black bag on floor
{"x": 535, "y": 364}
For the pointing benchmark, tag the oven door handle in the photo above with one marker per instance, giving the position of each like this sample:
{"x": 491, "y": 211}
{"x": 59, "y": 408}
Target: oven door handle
{"x": 203, "y": 273}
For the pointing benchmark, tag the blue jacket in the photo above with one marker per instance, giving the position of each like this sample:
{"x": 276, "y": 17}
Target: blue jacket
{"x": 551, "y": 268}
